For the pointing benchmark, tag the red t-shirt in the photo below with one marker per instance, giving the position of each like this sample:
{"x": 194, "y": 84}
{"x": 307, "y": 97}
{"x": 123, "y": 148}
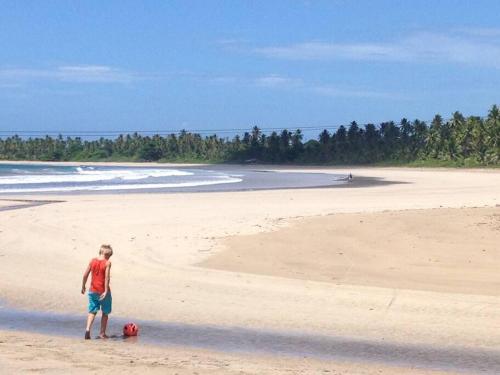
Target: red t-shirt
{"x": 98, "y": 268}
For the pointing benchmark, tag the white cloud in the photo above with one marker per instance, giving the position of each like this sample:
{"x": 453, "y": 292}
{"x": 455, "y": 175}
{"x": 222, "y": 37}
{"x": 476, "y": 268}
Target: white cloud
{"x": 276, "y": 81}
{"x": 9, "y": 85}
{"x": 480, "y": 49}
{"x": 327, "y": 51}
{"x": 13, "y": 78}
{"x": 457, "y": 49}
{"x": 285, "y": 83}
{"x": 221, "y": 79}
{"x": 69, "y": 73}
{"x": 266, "y": 81}
{"x": 93, "y": 73}
{"x": 480, "y": 31}
{"x": 230, "y": 42}
{"x": 334, "y": 91}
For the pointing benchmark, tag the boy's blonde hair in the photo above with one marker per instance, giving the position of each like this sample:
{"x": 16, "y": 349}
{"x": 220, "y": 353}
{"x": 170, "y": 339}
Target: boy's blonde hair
{"x": 106, "y": 250}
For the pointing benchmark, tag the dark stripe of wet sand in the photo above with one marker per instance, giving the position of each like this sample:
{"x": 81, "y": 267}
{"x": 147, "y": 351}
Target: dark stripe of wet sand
{"x": 453, "y": 358}
{"x": 18, "y": 204}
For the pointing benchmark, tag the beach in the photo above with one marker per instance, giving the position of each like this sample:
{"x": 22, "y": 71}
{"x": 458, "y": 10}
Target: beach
{"x": 407, "y": 264}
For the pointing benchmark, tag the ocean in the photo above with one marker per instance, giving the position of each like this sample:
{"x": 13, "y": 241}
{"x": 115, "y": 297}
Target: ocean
{"x": 64, "y": 179}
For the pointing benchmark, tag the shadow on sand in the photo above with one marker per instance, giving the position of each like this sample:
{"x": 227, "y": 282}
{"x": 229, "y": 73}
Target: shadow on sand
{"x": 269, "y": 342}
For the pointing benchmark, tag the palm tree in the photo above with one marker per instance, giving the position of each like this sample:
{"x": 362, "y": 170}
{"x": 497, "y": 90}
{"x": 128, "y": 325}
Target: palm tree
{"x": 407, "y": 131}
{"x": 419, "y": 138}
{"x": 434, "y": 141}
{"x": 354, "y": 142}
{"x": 464, "y": 137}
{"x": 456, "y": 128}
{"x": 478, "y": 136}
{"x": 492, "y": 129}
{"x": 371, "y": 141}
{"x": 324, "y": 141}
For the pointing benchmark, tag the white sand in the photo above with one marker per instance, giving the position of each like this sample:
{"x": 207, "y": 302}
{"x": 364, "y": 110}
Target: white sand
{"x": 159, "y": 238}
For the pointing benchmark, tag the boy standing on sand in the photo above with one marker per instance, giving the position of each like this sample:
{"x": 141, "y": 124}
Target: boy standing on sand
{"x": 99, "y": 293}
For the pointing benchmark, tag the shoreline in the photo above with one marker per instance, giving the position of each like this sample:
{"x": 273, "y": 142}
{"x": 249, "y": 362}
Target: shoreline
{"x": 221, "y": 178}
{"x": 359, "y": 182}
{"x": 305, "y": 167}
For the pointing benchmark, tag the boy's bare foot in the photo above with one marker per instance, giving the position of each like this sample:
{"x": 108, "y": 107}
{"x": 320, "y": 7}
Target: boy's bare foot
{"x": 103, "y": 336}
{"x": 87, "y": 335}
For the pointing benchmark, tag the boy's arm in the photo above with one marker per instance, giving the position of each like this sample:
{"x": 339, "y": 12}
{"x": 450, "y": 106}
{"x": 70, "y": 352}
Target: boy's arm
{"x": 85, "y": 277}
{"x": 106, "y": 281}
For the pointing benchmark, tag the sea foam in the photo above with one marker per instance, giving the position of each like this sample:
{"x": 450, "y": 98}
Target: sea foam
{"x": 115, "y": 187}
{"x": 90, "y": 175}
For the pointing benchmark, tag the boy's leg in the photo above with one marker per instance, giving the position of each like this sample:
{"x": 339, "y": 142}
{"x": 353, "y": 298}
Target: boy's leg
{"x": 94, "y": 307}
{"x": 106, "y": 310}
{"x": 104, "y": 324}
{"x": 90, "y": 321}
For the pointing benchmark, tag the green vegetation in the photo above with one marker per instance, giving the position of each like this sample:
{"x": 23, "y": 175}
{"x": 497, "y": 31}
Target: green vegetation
{"x": 460, "y": 141}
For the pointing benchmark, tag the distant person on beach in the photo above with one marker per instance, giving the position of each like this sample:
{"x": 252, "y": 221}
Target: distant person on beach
{"x": 99, "y": 292}
{"x": 349, "y": 178}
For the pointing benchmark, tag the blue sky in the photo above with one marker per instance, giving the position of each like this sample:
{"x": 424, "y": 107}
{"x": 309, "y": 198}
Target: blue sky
{"x": 167, "y": 65}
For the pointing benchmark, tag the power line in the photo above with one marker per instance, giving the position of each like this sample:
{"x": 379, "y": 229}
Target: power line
{"x": 148, "y": 132}
{"x": 163, "y": 131}
{"x": 115, "y": 133}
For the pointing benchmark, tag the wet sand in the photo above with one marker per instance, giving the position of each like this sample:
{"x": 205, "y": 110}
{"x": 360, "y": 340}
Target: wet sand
{"x": 17, "y": 204}
{"x": 33, "y": 353}
{"x": 160, "y": 241}
{"x": 274, "y": 343}
{"x": 441, "y": 250}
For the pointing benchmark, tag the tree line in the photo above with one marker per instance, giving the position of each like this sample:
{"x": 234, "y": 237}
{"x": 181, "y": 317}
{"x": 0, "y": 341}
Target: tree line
{"x": 460, "y": 140}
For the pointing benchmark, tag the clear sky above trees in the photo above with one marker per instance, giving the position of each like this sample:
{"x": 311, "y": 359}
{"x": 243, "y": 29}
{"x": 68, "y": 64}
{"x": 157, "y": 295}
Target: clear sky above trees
{"x": 119, "y": 65}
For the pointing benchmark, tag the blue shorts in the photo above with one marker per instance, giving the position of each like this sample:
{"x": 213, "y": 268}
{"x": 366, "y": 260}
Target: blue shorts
{"x": 95, "y": 305}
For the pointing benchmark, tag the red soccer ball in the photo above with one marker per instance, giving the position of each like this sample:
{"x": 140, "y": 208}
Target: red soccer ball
{"x": 130, "y": 329}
